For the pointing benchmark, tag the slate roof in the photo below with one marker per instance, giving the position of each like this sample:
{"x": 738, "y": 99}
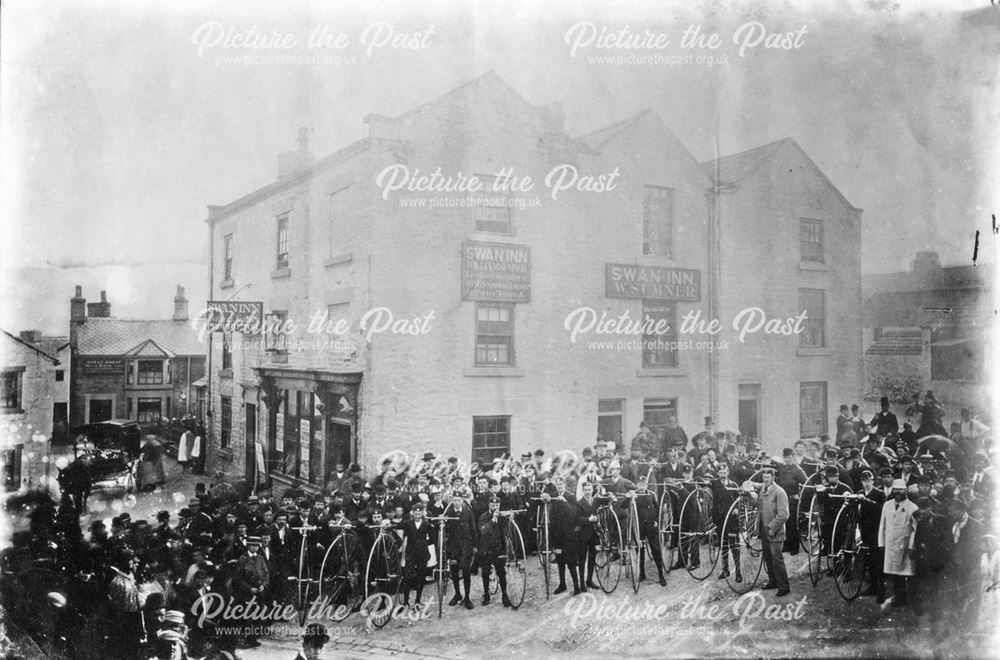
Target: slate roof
{"x": 100, "y": 336}
{"x": 597, "y": 139}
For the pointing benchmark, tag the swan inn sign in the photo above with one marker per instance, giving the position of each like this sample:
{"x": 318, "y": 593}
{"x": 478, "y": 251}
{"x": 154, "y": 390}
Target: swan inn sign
{"x": 652, "y": 282}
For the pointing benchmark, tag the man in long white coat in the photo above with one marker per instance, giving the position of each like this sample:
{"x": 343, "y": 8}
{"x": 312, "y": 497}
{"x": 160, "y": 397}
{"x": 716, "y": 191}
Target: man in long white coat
{"x": 895, "y": 534}
{"x": 184, "y": 449}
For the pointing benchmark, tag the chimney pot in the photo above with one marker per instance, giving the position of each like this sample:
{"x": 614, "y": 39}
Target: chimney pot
{"x": 180, "y": 305}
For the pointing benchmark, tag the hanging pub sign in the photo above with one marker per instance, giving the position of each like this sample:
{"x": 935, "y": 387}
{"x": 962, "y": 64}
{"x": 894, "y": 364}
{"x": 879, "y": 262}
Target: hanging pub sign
{"x": 652, "y": 282}
{"x": 102, "y": 365}
{"x": 233, "y": 316}
{"x": 496, "y": 272}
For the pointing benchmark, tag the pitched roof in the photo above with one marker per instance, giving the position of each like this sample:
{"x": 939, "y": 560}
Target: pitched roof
{"x": 730, "y": 170}
{"x": 31, "y": 346}
{"x": 597, "y": 139}
{"x": 100, "y": 336}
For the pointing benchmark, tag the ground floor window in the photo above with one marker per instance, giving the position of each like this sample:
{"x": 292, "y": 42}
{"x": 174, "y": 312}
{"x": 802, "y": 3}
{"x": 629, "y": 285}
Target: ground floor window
{"x": 226, "y": 421}
{"x": 656, "y": 412}
{"x": 812, "y": 409}
{"x": 490, "y": 438}
{"x": 610, "y": 420}
{"x": 148, "y": 410}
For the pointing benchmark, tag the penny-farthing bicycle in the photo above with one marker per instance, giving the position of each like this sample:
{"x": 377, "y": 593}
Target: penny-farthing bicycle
{"x": 668, "y": 526}
{"x": 515, "y": 560}
{"x": 741, "y": 541}
{"x": 384, "y": 574}
{"x": 307, "y": 582}
{"x": 808, "y": 531}
{"x": 342, "y": 570}
{"x": 441, "y": 570}
{"x": 699, "y": 538}
{"x": 814, "y": 530}
{"x": 608, "y": 554}
{"x": 544, "y": 542}
{"x": 849, "y": 553}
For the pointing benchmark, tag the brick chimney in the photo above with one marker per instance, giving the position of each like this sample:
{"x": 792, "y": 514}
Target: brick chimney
{"x": 77, "y": 315}
{"x": 180, "y": 305}
{"x": 31, "y": 336}
{"x": 100, "y": 310}
{"x": 927, "y": 268}
{"x": 78, "y": 307}
{"x": 291, "y": 163}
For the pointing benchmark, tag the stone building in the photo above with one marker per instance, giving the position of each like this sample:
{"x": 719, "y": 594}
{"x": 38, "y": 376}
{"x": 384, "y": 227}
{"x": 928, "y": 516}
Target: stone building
{"x": 132, "y": 369}
{"x": 28, "y": 388}
{"x": 515, "y": 316}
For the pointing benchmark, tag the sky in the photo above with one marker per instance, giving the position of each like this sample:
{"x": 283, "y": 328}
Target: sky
{"x": 121, "y": 121}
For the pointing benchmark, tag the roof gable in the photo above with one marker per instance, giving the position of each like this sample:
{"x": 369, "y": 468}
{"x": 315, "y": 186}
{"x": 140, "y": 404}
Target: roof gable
{"x": 149, "y": 348}
{"x": 780, "y": 157}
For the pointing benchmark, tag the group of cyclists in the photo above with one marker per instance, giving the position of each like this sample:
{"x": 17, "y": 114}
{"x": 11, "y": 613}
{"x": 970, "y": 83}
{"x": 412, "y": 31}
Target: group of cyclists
{"x": 686, "y": 505}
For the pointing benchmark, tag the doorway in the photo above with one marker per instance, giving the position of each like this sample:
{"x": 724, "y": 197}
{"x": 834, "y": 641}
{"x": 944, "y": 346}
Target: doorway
{"x": 99, "y": 411}
{"x": 250, "y": 442}
{"x": 749, "y": 410}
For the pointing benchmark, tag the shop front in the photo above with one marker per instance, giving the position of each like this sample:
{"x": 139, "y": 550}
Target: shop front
{"x": 311, "y": 423}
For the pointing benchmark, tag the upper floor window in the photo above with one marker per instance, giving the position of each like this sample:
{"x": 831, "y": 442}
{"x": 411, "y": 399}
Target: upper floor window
{"x": 227, "y": 351}
{"x": 657, "y": 220}
{"x": 492, "y": 209}
{"x": 282, "y": 241}
{"x": 494, "y": 335}
{"x": 811, "y": 240}
{"x": 150, "y": 372}
{"x": 10, "y": 390}
{"x": 227, "y": 270}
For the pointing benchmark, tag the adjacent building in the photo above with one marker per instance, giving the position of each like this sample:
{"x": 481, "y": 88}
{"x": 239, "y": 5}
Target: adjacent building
{"x": 928, "y": 328}
{"x": 376, "y": 302}
{"x": 29, "y": 384}
{"x": 141, "y": 370}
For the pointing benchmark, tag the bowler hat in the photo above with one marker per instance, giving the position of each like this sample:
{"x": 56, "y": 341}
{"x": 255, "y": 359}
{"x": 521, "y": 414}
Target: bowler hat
{"x": 315, "y": 635}
{"x": 429, "y": 456}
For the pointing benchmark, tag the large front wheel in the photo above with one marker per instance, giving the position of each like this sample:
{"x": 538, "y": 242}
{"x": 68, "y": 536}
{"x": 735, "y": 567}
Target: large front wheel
{"x": 699, "y": 538}
{"x": 851, "y": 557}
{"x": 608, "y": 552}
{"x": 304, "y": 584}
{"x": 633, "y": 548}
{"x": 516, "y": 565}
{"x": 741, "y": 544}
{"x": 383, "y": 575}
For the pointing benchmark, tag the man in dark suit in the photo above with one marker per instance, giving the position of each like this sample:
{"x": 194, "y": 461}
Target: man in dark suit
{"x": 419, "y": 536}
{"x": 586, "y": 520}
{"x": 870, "y": 516}
{"x": 492, "y": 550}
{"x": 885, "y": 422}
{"x": 461, "y": 543}
{"x": 963, "y": 574}
{"x": 790, "y": 477}
{"x": 672, "y": 468}
{"x": 285, "y": 554}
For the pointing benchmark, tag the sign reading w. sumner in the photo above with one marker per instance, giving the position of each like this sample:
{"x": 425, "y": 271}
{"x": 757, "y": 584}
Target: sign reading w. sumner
{"x": 652, "y": 282}
{"x": 496, "y": 272}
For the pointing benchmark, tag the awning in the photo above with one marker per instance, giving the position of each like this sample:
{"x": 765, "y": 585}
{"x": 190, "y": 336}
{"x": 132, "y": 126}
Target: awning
{"x": 201, "y": 382}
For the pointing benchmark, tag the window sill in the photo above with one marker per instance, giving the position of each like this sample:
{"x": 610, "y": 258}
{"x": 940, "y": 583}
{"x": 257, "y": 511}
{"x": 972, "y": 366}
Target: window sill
{"x": 661, "y": 372}
{"x": 225, "y": 454}
{"x": 11, "y": 411}
{"x": 279, "y": 273}
{"x": 226, "y": 284}
{"x": 225, "y": 373}
{"x": 808, "y": 352}
{"x": 500, "y": 372}
{"x": 279, "y": 357}
{"x": 493, "y": 237}
{"x": 654, "y": 260}
{"x": 813, "y": 265}
{"x": 338, "y": 259}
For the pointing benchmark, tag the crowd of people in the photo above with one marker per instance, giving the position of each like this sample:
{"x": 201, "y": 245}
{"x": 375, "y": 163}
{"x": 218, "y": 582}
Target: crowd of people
{"x": 926, "y": 516}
